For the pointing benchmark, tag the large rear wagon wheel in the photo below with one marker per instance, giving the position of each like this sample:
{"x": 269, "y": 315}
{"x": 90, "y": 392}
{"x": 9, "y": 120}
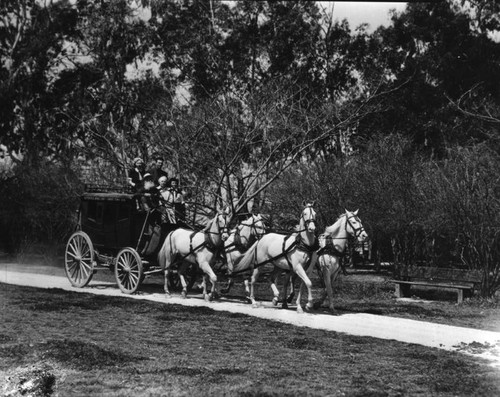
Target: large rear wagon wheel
{"x": 128, "y": 270}
{"x": 79, "y": 259}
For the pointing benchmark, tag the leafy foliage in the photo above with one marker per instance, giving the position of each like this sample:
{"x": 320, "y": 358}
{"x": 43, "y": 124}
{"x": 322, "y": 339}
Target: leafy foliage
{"x": 235, "y": 95}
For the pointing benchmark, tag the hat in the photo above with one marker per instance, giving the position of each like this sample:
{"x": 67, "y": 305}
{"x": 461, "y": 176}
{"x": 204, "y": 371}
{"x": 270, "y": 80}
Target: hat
{"x": 138, "y": 160}
{"x": 147, "y": 175}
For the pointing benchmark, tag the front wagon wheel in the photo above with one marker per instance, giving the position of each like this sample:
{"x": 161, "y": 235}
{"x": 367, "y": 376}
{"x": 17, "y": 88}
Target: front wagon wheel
{"x": 128, "y": 270}
{"x": 79, "y": 259}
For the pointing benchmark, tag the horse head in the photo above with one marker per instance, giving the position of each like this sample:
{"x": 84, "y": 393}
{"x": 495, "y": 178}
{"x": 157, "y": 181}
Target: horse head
{"x": 354, "y": 227}
{"x": 222, "y": 220}
{"x": 308, "y": 218}
{"x": 258, "y": 227}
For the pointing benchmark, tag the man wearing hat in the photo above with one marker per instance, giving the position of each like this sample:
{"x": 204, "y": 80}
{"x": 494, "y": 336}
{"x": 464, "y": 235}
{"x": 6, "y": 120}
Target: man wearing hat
{"x": 136, "y": 174}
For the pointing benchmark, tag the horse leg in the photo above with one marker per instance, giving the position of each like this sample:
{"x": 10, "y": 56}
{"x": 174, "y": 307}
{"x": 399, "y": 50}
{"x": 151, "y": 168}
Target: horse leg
{"x": 274, "y": 276}
{"x": 184, "y": 286}
{"x": 307, "y": 282}
{"x": 253, "y": 280}
{"x": 209, "y": 273}
{"x": 327, "y": 274}
{"x": 322, "y": 275}
{"x": 203, "y": 285}
{"x": 247, "y": 287}
{"x": 293, "y": 277}
{"x": 333, "y": 276}
{"x": 181, "y": 272}
{"x": 287, "y": 281}
{"x": 230, "y": 283}
{"x": 165, "y": 286}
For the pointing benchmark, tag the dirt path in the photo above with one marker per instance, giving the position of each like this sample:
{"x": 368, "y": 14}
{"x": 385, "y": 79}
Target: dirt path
{"x": 480, "y": 343}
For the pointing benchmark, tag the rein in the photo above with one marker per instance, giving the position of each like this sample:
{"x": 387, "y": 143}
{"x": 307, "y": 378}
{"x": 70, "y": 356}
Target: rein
{"x": 238, "y": 244}
{"x": 208, "y": 240}
{"x": 298, "y": 244}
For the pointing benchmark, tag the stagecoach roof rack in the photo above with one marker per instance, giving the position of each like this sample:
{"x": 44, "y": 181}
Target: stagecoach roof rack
{"x": 98, "y": 188}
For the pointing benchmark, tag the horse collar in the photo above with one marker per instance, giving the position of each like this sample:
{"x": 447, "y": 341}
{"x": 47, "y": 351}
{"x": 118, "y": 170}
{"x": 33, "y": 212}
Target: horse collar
{"x": 238, "y": 244}
{"x": 302, "y": 246}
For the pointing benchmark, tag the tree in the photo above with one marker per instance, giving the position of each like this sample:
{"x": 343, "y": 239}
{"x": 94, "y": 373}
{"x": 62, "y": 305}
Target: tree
{"x": 33, "y": 51}
{"x": 435, "y": 48}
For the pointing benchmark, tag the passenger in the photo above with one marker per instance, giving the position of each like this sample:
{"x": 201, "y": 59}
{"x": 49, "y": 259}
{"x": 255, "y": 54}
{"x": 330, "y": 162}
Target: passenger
{"x": 150, "y": 196}
{"x": 168, "y": 214}
{"x": 156, "y": 171}
{"x": 178, "y": 200}
{"x": 136, "y": 174}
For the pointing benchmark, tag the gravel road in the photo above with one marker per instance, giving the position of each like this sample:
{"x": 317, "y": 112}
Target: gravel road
{"x": 480, "y": 343}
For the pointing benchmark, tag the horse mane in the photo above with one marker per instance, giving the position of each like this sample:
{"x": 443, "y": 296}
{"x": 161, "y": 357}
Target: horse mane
{"x": 209, "y": 225}
{"x": 330, "y": 230}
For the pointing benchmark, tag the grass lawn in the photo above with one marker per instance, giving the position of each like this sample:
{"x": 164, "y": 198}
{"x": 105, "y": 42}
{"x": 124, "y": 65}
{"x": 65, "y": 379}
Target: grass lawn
{"x": 87, "y": 345}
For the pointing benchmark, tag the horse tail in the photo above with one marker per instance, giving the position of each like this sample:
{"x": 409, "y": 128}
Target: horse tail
{"x": 248, "y": 259}
{"x": 165, "y": 254}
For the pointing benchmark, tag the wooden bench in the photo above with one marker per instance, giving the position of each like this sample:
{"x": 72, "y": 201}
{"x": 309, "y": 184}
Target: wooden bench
{"x": 463, "y": 281}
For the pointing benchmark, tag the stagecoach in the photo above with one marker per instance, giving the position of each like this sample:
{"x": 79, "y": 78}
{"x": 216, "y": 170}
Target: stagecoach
{"x": 114, "y": 232}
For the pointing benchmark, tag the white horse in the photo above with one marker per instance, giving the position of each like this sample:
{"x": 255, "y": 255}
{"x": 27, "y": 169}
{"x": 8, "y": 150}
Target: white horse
{"x": 290, "y": 253}
{"x": 238, "y": 242}
{"x": 326, "y": 260}
{"x": 199, "y": 248}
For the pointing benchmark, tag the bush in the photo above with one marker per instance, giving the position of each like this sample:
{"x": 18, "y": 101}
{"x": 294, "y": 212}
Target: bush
{"x": 464, "y": 204}
{"x": 37, "y": 206}
{"x": 416, "y": 210}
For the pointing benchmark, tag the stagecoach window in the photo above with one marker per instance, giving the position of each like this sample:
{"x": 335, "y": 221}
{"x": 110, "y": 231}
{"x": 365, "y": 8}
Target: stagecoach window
{"x": 92, "y": 210}
{"x": 110, "y": 215}
{"x": 123, "y": 212}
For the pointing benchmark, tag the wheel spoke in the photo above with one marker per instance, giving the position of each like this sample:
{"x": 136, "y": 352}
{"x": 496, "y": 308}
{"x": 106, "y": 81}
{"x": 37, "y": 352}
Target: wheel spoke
{"x": 73, "y": 248}
{"x": 78, "y": 243}
{"x": 134, "y": 277}
{"x": 74, "y": 270}
{"x": 77, "y": 274}
{"x": 72, "y": 254}
{"x": 85, "y": 269}
{"x": 78, "y": 259}
{"x": 85, "y": 251}
{"x": 128, "y": 270}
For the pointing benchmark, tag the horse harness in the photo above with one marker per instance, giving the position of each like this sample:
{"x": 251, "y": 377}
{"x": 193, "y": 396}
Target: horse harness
{"x": 207, "y": 243}
{"x": 298, "y": 244}
{"x": 238, "y": 244}
{"x": 356, "y": 231}
{"x": 332, "y": 250}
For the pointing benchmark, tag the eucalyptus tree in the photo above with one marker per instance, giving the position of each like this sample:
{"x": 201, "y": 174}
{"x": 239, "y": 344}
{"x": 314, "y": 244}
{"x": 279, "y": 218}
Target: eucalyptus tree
{"x": 33, "y": 38}
{"x": 450, "y": 66}
{"x": 271, "y": 84}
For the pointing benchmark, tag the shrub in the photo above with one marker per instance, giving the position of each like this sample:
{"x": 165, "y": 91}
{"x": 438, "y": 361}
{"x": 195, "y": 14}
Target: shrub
{"x": 37, "y": 206}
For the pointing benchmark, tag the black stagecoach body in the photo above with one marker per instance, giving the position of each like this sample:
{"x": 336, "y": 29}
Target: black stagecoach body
{"x": 114, "y": 232}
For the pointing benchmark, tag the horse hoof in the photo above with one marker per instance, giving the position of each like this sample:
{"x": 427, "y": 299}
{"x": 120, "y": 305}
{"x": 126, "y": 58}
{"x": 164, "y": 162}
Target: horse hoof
{"x": 255, "y": 305}
{"x": 284, "y": 305}
{"x": 184, "y": 294}
{"x": 300, "y": 310}
{"x": 168, "y": 295}
{"x": 308, "y": 308}
{"x": 290, "y": 298}
{"x": 275, "y": 301}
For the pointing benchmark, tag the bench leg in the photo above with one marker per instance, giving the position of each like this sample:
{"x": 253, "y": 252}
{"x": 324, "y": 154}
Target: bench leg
{"x": 460, "y": 295}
